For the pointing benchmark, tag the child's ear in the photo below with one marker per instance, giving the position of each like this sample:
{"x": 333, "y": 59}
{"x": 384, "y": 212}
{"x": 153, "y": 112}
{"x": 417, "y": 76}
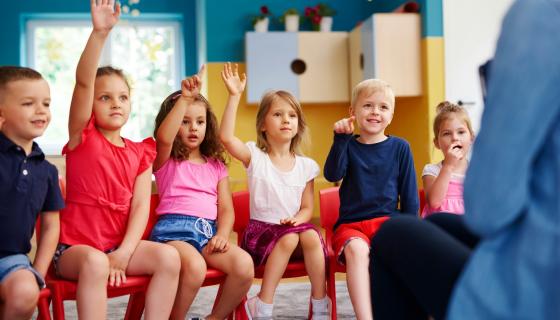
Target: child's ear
{"x": 351, "y": 111}
{"x": 436, "y": 144}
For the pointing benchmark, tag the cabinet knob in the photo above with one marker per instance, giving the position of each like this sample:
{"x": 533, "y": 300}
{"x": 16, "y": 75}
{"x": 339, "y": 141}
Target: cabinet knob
{"x": 298, "y": 66}
{"x": 361, "y": 61}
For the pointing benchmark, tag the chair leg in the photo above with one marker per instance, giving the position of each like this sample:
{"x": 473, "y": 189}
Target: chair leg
{"x": 57, "y": 305}
{"x": 240, "y": 313}
{"x": 135, "y": 306}
{"x": 43, "y": 312}
{"x": 331, "y": 291}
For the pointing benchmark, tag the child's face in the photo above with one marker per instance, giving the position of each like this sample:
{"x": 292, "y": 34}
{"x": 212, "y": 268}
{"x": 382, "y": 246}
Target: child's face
{"x": 193, "y": 129}
{"x": 111, "y": 102}
{"x": 373, "y": 113}
{"x": 281, "y": 121}
{"x": 454, "y": 133}
{"x": 25, "y": 110}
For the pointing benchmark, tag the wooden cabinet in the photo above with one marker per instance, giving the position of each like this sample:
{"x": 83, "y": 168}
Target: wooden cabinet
{"x": 387, "y": 46}
{"x": 313, "y": 66}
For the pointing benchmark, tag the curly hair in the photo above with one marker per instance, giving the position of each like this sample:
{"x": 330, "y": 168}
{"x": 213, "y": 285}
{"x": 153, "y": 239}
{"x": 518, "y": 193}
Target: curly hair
{"x": 211, "y": 146}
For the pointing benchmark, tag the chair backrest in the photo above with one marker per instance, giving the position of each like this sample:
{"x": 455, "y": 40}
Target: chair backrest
{"x": 329, "y": 204}
{"x": 241, "y": 207}
{"x": 422, "y": 198}
{"x": 152, "y": 218}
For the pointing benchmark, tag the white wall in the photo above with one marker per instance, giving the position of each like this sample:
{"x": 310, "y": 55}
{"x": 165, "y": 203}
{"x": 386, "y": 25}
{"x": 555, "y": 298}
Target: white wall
{"x": 471, "y": 29}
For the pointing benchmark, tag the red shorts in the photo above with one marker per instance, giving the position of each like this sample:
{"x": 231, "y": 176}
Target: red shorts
{"x": 355, "y": 230}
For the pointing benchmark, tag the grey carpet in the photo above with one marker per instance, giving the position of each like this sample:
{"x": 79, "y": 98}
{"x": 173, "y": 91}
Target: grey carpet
{"x": 291, "y": 302}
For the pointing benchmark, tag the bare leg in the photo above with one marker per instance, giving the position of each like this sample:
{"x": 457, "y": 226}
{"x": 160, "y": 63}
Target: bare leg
{"x": 238, "y": 266}
{"x": 276, "y": 265}
{"x": 162, "y": 263}
{"x": 19, "y": 294}
{"x": 90, "y": 267}
{"x": 192, "y": 274}
{"x": 314, "y": 259}
{"x": 356, "y": 253}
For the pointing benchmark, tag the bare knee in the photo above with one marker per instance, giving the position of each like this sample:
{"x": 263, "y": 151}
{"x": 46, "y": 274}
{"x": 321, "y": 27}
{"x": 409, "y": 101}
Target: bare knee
{"x": 310, "y": 240}
{"x": 242, "y": 267}
{"x": 168, "y": 260}
{"x": 357, "y": 252}
{"x": 193, "y": 270}
{"x": 21, "y": 298}
{"x": 95, "y": 265}
{"x": 288, "y": 242}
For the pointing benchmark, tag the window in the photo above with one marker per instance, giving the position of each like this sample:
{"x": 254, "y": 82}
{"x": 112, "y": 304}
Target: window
{"x": 149, "y": 52}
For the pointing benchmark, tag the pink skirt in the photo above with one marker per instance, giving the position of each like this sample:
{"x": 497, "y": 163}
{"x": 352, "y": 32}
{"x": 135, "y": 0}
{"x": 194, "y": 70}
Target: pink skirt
{"x": 260, "y": 238}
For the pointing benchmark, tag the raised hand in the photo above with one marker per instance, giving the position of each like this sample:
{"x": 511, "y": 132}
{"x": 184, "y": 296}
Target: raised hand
{"x": 104, "y": 14}
{"x": 234, "y": 83}
{"x": 191, "y": 86}
{"x": 345, "y": 126}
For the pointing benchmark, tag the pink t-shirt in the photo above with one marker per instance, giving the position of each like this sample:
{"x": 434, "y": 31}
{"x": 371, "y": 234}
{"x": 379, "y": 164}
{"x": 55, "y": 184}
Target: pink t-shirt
{"x": 190, "y": 188}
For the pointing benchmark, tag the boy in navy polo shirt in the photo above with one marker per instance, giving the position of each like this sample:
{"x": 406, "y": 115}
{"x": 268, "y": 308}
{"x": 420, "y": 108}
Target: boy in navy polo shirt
{"x": 28, "y": 185}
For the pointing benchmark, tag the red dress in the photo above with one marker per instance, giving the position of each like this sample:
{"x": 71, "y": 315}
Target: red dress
{"x": 100, "y": 183}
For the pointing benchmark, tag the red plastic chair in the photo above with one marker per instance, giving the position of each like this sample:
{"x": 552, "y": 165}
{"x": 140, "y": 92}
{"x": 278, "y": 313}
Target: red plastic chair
{"x": 422, "y": 198}
{"x": 294, "y": 268}
{"x": 43, "y": 305}
{"x": 329, "y": 203}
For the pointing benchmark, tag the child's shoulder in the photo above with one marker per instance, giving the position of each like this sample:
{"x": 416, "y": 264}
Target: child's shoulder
{"x": 398, "y": 141}
{"x": 431, "y": 169}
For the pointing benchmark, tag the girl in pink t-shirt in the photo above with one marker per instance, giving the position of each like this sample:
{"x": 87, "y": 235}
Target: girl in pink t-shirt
{"x": 196, "y": 209}
{"x": 108, "y": 190}
{"x": 443, "y": 182}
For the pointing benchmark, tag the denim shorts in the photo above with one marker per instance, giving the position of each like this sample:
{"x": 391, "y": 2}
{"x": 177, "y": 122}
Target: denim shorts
{"x": 16, "y": 262}
{"x": 179, "y": 227}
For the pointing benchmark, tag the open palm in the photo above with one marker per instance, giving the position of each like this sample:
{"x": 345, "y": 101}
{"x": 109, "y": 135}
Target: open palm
{"x": 234, "y": 83}
{"x": 104, "y": 14}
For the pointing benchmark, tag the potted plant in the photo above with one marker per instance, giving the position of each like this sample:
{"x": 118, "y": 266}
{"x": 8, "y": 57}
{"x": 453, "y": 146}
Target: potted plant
{"x": 260, "y": 22}
{"x": 291, "y": 20}
{"x": 320, "y": 17}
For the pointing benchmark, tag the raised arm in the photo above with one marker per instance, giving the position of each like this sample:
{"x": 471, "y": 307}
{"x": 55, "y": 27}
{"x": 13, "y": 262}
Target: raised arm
{"x": 235, "y": 86}
{"x": 104, "y": 15}
{"x": 167, "y": 131}
{"x": 337, "y": 160}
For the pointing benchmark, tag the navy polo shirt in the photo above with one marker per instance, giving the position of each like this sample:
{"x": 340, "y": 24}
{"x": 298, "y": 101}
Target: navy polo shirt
{"x": 28, "y": 185}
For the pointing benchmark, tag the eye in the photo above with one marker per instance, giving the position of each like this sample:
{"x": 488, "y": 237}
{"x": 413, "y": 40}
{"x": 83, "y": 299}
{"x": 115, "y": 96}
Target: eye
{"x": 200, "y": 122}
{"x": 104, "y": 97}
{"x": 185, "y": 121}
{"x": 384, "y": 107}
{"x": 27, "y": 103}
{"x": 123, "y": 98}
{"x": 293, "y": 115}
{"x": 276, "y": 114}
{"x": 446, "y": 133}
{"x": 47, "y": 104}
{"x": 367, "y": 106}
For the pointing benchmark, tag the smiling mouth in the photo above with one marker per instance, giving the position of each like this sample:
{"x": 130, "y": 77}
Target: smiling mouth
{"x": 39, "y": 122}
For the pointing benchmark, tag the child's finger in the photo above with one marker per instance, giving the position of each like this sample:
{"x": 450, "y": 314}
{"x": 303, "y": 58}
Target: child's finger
{"x": 244, "y": 78}
{"x": 235, "y": 70}
{"x": 202, "y": 71}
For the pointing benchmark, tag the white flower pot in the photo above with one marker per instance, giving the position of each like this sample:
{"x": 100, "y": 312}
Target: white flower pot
{"x": 262, "y": 25}
{"x": 326, "y": 24}
{"x": 292, "y": 23}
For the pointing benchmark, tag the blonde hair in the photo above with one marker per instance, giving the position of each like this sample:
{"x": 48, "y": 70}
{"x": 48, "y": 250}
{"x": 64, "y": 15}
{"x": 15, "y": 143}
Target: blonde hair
{"x": 264, "y": 107}
{"x": 371, "y": 86}
{"x": 445, "y": 110}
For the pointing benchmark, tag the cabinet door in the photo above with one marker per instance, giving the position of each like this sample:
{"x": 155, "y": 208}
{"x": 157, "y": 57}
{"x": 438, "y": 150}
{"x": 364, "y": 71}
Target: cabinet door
{"x": 325, "y": 55}
{"x": 268, "y": 58}
{"x": 356, "y": 56}
{"x": 397, "y": 51}
{"x": 368, "y": 49}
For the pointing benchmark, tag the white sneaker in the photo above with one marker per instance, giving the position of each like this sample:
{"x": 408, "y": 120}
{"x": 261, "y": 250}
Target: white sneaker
{"x": 258, "y": 310}
{"x": 321, "y": 309}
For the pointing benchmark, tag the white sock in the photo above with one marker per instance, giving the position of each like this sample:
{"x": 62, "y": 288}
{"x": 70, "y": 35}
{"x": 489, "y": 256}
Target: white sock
{"x": 264, "y": 309}
{"x": 320, "y": 305}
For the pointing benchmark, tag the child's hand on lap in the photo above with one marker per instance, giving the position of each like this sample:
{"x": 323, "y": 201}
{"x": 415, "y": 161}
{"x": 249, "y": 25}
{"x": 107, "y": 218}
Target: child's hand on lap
{"x": 118, "y": 262}
{"x": 234, "y": 84}
{"x": 293, "y": 221}
{"x": 217, "y": 244}
{"x": 345, "y": 126}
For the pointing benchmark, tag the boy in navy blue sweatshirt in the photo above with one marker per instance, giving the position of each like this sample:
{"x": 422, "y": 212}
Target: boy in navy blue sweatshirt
{"x": 379, "y": 180}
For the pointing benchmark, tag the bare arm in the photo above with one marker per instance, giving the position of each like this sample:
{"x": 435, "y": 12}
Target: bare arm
{"x": 435, "y": 188}
{"x": 235, "y": 86}
{"x": 226, "y": 216}
{"x": 166, "y": 133}
{"x": 104, "y": 16}
{"x": 306, "y": 210}
{"x": 50, "y": 229}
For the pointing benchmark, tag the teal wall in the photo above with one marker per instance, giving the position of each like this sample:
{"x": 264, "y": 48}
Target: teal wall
{"x": 218, "y": 34}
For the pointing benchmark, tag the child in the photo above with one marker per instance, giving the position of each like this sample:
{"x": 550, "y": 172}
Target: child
{"x": 196, "y": 210}
{"x": 378, "y": 173}
{"x": 443, "y": 182}
{"x": 108, "y": 183}
{"x": 281, "y": 185}
{"x": 28, "y": 185}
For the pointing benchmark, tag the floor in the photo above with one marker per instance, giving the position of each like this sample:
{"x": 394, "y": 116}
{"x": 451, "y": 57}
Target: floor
{"x": 291, "y": 302}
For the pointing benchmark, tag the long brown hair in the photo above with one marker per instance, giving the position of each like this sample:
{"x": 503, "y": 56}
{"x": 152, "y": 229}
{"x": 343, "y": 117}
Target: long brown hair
{"x": 264, "y": 107}
{"x": 211, "y": 147}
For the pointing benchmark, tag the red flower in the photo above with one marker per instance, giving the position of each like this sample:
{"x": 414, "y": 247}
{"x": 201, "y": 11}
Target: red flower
{"x": 308, "y": 11}
{"x": 316, "y": 19}
{"x": 264, "y": 10}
